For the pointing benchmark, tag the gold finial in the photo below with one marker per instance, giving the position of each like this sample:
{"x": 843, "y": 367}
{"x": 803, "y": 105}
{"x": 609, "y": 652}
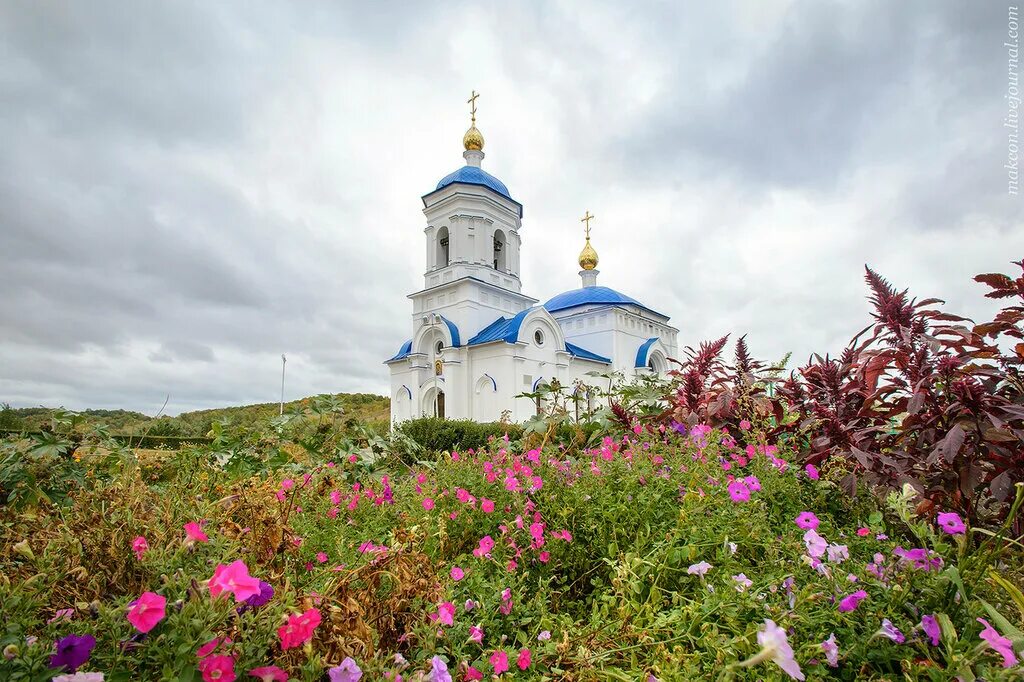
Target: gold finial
{"x": 588, "y": 256}
{"x": 473, "y": 139}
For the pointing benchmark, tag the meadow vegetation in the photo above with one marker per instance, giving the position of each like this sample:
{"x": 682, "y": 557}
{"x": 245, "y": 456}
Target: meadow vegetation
{"x": 856, "y": 518}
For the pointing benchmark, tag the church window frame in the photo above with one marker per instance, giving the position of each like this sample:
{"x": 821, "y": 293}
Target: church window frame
{"x": 443, "y": 247}
{"x": 538, "y": 337}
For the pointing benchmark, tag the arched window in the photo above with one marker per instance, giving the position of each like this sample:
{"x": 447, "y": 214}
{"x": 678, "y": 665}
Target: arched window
{"x": 499, "y": 250}
{"x": 442, "y": 248}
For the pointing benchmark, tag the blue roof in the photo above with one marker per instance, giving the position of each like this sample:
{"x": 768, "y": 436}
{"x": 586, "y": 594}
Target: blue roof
{"x": 502, "y": 329}
{"x": 453, "y": 330}
{"x": 402, "y": 352}
{"x": 585, "y": 354}
{"x": 587, "y": 296}
{"x": 471, "y": 175}
{"x": 643, "y": 351}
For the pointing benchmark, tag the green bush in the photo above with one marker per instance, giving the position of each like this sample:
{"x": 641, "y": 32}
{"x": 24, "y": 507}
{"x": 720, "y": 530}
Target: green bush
{"x": 444, "y": 435}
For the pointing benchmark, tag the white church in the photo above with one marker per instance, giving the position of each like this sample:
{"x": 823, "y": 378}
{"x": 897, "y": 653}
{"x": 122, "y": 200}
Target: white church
{"x": 478, "y": 341}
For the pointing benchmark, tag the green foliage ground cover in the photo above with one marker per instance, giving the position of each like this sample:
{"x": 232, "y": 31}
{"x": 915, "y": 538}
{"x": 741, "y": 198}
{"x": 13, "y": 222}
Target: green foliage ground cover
{"x": 650, "y": 553}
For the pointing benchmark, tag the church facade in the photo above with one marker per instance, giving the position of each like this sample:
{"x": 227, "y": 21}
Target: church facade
{"x": 478, "y": 341}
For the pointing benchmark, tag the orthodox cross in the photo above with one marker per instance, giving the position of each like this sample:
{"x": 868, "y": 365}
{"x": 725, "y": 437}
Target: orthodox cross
{"x": 472, "y": 106}
{"x": 586, "y": 219}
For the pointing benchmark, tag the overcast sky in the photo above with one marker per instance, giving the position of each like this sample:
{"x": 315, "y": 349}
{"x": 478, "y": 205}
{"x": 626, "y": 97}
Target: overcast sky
{"x": 188, "y": 190}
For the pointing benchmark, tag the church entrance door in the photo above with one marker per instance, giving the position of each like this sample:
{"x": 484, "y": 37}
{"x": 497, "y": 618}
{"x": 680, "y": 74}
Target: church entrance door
{"x": 439, "y": 405}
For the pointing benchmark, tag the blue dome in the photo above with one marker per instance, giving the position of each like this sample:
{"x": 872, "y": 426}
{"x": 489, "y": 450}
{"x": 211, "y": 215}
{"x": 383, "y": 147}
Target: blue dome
{"x": 587, "y": 296}
{"x": 471, "y": 175}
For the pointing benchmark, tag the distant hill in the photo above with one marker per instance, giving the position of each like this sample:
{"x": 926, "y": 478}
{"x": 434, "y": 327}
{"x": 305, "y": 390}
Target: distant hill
{"x": 363, "y": 407}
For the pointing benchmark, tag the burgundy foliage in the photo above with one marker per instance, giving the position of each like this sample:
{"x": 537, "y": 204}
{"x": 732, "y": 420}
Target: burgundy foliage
{"x": 919, "y": 396}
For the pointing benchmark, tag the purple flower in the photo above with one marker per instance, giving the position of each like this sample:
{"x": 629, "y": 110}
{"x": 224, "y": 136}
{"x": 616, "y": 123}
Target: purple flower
{"x": 699, "y": 569}
{"x": 831, "y": 650}
{"x": 891, "y": 631}
{"x": 951, "y": 523}
{"x": 679, "y": 428}
{"x": 931, "y": 628}
{"x": 265, "y": 594}
{"x": 72, "y": 651}
{"x": 439, "y": 670}
{"x": 348, "y": 671}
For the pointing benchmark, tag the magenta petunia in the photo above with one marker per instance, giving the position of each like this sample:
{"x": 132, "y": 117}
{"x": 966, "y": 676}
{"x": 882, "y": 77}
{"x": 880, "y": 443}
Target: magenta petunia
{"x": 850, "y": 601}
{"x": 807, "y": 520}
{"x": 930, "y": 625}
{"x": 1001, "y": 645}
{"x": 951, "y": 523}
{"x": 146, "y": 611}
{"x": 738, "y": 491}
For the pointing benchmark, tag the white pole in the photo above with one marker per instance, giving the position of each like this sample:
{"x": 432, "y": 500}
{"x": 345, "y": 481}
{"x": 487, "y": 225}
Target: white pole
{"x": 283, "y": 361}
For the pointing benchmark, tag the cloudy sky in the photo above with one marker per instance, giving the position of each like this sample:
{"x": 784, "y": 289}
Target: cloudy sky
{"x": 188, "y": 190}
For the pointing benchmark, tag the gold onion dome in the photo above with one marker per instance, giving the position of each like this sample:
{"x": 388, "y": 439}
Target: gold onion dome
{"x": 473, "y": 139}
{"x": 588, "y": 256}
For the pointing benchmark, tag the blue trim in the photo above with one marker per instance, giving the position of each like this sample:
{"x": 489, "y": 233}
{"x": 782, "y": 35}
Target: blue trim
{"x": 502, "y": 329}
{"x": 453, "y": 330}
{"x": 536, "y": 383}
{"x": 593, "y": 296}
{"x": 643, "y": 351}
{"x": 493, "y": 382}
{"x": 408, "y": 391}
{"x": 585, "y": 354}
{"x": 403, "y": 352}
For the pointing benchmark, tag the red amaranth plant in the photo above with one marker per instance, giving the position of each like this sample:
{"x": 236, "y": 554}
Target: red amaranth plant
{"x": 918, "y": 396}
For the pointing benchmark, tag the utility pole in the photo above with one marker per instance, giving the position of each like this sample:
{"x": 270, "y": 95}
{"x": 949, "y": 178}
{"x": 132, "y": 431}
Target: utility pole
{"x": 284, "y": 360}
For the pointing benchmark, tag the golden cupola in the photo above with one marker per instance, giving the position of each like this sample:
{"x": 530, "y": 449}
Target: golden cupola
{"x": 588, "y": 256}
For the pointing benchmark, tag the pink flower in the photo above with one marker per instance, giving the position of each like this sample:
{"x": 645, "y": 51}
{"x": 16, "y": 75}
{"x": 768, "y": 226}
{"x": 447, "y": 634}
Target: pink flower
{"x": 775, "y": 646}
{"x": 270, "y": 673}
{"x": 738, "y": 491}
{"x": 863, "y": 532}
{"x": 211, "y": 646}
{"x": 544, "y": 636}
{"x": 850, "y": 602}
{"x": 321, "y": 557}
{"x": 831, "y": 650}
{"x": 745, "y": 425}
{"x": 807, "y": 520}
{"x": 476, "y": 633}
{"x": 287, "y": 484}
{"x": 446, "y": 613}
{"x": 487, "y": 506}
{"x": 139, "y": 546}
{"x": 753, "y": 483}
{"x": 951, "y": 523}
{"x": 499, "y": 660}
{"x": 146, "y": 611}
{"x": 523, "y": 662}
{"x": 428, "y": 503}
{"x": 544, "y": 557}
{"x": 742, "y": 582}
{"x": 486, "y": 545}
{"x": 812, "y": 472}
{"x": 473, "y": 674}
{"x": 457, "y": 573}
{"x": 194, "y": 533}
{"x": 816, "y": 545}
{"x": 298, "y": 629}
{"x": 930, "y": 625}
{"x": 234, "y": 578}
{"x": 219, "y": 668}
{"x": 1000, "y": 644}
